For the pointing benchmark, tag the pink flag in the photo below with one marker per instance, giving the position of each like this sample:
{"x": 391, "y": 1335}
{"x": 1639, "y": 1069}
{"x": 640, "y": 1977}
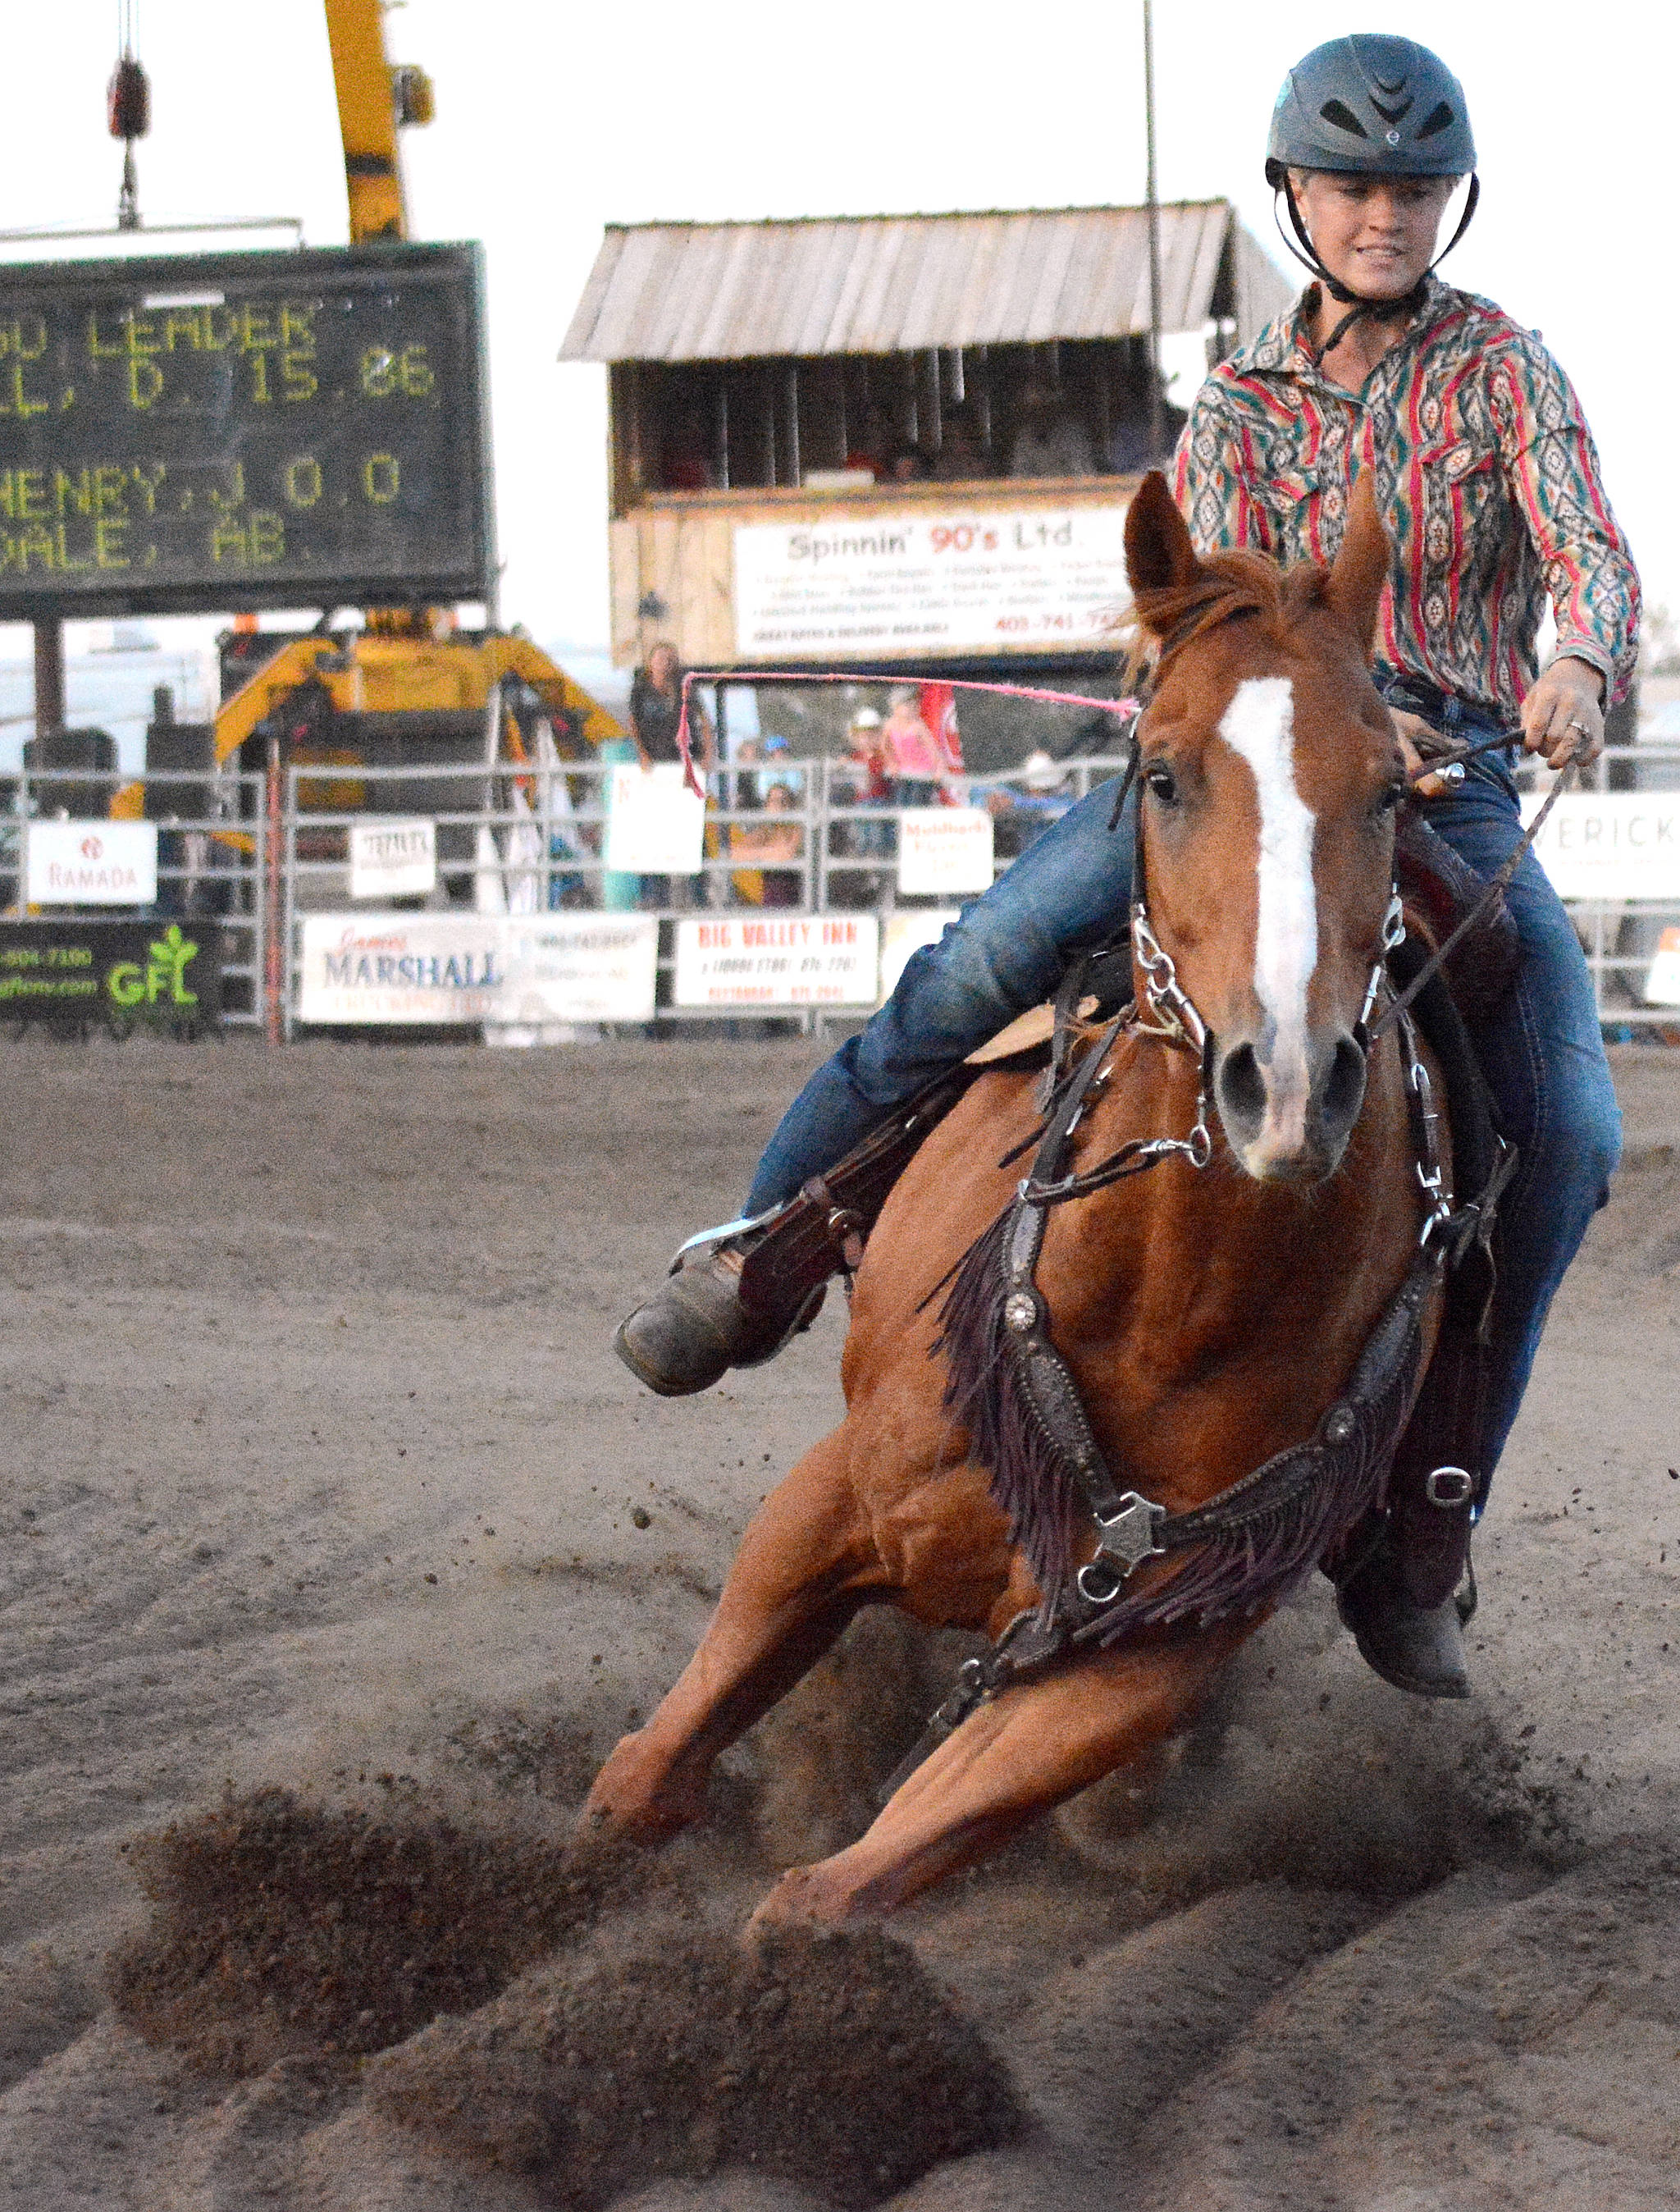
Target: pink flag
{"x": 938, "y": 710}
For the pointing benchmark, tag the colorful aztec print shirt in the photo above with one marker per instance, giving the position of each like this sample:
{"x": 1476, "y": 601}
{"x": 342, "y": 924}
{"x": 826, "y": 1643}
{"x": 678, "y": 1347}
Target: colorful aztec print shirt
{"x": 1487, "y": 477}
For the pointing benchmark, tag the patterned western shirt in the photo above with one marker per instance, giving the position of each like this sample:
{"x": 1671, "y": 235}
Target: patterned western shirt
{"x": 1486, "y": 474}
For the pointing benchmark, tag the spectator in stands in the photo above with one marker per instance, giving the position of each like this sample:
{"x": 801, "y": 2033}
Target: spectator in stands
{"x": 909, "y": 749}
{"x": 656, "y": 711}
{"x": 1050, "y": 440}
{"x": 1023, "y": 811}
{"x": 858, "y": 778}
{"x": 1132, "y": 449}
{"x": 907, "y": 465}
{"x": 962, "y": 454}
{"x": 656, "y": 708}
{"x": 773, "y": 843}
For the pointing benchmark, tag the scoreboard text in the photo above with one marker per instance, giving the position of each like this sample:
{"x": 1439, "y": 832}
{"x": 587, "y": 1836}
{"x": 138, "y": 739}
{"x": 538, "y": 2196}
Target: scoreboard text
{"x": 259, "y": 430}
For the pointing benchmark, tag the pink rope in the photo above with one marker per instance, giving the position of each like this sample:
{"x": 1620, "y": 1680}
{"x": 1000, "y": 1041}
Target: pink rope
{"x": 1124, "y": 710}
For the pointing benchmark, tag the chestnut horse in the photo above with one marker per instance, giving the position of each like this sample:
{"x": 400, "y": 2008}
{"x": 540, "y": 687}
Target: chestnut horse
{"x": 1209, "y": 1314}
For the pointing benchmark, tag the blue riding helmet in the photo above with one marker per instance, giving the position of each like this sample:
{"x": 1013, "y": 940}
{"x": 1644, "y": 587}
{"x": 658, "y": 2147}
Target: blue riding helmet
{"x": 1371, "y": 105}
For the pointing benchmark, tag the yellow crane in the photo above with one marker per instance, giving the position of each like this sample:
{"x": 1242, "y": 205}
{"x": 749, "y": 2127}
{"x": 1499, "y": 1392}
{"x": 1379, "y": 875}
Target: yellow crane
{"x": 404, "y": 661}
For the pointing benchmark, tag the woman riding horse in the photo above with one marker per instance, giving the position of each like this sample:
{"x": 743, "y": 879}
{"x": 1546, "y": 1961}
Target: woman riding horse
{"x": 1490, "y": 486}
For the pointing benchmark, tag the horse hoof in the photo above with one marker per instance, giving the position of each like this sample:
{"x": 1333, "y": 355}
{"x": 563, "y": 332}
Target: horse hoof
{"x": 629, "y": 1805}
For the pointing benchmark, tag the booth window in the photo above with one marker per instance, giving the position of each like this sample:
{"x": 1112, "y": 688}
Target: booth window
{"x": 952, "y": 414}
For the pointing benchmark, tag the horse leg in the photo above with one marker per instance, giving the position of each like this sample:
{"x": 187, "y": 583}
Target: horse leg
{"x": 802, "y": 1572}
{"x": 1010, "y": 1761}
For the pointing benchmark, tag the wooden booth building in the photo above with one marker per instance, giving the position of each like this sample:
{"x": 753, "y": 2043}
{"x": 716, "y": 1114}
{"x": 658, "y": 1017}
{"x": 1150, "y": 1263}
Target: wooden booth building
{"x": 880, "y": 440}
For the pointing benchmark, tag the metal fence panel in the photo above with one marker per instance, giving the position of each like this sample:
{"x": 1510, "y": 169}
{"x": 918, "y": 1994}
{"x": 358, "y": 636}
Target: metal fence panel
{"x": 539, "y": 834}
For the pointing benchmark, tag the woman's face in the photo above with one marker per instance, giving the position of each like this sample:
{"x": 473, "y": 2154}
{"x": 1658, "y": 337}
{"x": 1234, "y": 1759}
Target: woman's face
{"x": 1374, "y": 234}
{"x": 661, "y": 667}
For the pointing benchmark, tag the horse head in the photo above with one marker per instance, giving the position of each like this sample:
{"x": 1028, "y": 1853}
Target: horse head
{"x": 1269, "y": 777}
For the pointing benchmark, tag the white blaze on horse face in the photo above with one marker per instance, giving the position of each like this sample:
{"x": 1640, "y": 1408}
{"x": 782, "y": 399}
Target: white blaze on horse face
{"x": 1258, "y": 726}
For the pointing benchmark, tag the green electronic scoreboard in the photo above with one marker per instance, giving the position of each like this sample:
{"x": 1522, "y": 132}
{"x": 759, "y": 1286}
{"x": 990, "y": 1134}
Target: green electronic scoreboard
{"x": 302, "y": 429}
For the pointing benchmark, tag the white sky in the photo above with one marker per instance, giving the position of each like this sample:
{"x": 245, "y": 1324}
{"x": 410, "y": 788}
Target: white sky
{"x": 554, "y": 120}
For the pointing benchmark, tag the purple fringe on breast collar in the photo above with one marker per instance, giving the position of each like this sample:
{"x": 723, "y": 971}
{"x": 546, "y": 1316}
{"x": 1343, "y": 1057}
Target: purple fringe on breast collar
{"x": 1033, "y": 1480}
{"x": 1244, "y": 1549}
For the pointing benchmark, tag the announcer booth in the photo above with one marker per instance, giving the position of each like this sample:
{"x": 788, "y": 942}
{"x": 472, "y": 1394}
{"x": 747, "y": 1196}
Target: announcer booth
{"x": 889, "y": 450}
{"x": 882, "y": 440}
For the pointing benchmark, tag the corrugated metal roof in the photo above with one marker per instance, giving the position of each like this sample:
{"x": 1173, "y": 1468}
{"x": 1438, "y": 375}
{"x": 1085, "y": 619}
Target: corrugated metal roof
{"x": 730, "y": 291}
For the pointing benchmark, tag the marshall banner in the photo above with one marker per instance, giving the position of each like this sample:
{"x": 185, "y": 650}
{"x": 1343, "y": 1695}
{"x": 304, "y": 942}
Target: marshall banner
{"x": 429, "y": 967}
{"x": 442, "y": 969}
{"x": 162, "y": 974}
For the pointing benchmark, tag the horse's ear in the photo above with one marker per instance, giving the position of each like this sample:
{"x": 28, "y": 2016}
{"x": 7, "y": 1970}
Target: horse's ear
{"x": 1159, "y": 555}
{"x": 1354, "y": 586}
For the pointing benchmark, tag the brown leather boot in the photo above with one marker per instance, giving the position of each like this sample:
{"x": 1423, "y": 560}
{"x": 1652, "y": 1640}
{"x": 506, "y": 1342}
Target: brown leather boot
{"x": 1417, "y": 1647}
{"x": 697, "y": 1326}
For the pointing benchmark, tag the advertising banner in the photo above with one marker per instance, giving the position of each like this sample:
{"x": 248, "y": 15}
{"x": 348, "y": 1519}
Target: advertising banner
{"x": 906, "y": 932}
{"x": 1036, "y": 579}
{"x": 943, "y": 851}
{"x": 823, "y": 960}
{"x": 393, "y": 859}
{"x": 91, "y": 864}
{"x": 581, "y": 968}
{"x": 1662, "y": 985}
{"x": 403, "y": 967}
{"x": 1611, "y": 844}
{"x": 655, "y": 825}
{"x": 116, "y": 972}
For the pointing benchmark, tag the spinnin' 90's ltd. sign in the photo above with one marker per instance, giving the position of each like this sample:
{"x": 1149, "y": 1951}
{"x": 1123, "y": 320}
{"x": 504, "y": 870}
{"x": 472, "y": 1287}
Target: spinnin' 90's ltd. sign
{"x": 164, "y": 974}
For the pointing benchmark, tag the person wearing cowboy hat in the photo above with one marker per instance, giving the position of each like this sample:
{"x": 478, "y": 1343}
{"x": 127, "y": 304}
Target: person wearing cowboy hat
{"x": 1488, "y": 483}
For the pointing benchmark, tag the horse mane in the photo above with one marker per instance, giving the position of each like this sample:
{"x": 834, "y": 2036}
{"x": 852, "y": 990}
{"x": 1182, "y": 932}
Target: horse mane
{"x": 1225, "y": 587}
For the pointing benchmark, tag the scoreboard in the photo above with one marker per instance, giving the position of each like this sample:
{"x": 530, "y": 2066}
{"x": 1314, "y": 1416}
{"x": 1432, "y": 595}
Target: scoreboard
{"x": 280, "y": 429}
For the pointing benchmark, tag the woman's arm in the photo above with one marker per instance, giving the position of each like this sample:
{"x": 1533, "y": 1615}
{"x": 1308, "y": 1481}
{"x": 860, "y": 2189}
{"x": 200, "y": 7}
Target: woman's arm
{"x": 1551, "y": 466}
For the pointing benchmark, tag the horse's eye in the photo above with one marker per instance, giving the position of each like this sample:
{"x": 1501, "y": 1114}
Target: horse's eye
{"x": 1389, "y": 796}
{"x": 1162, "y": 783}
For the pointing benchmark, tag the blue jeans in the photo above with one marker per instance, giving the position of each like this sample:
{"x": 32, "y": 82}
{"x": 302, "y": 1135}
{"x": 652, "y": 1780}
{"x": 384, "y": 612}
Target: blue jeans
{"x": 1541, "y": 1049}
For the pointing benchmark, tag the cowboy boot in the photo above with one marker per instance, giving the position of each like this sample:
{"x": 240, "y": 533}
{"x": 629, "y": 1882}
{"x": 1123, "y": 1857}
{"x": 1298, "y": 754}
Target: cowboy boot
{"x": 1411, "y": 1595}
{"x": 697, "y": 1325}
{"x": 762, "y": 1279}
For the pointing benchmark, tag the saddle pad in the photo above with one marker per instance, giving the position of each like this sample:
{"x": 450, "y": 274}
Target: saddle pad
{"x": 1028, "y": 1032}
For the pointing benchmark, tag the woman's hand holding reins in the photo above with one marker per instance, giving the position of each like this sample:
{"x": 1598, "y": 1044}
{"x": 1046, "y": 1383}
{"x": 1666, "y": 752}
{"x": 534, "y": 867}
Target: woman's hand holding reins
{"x": 1408, "y": 729}
{"x": 1563, "y": 716}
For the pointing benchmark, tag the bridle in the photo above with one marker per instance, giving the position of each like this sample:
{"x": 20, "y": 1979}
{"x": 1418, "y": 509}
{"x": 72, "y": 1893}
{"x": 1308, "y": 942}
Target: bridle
{"x": 1166, "y": 1011}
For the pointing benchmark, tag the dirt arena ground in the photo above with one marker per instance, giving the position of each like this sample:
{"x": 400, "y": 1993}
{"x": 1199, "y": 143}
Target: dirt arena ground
{"x": 337, "y": 1549}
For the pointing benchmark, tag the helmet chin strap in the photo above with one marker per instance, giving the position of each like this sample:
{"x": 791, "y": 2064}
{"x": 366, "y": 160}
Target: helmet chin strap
{"x": 1359, "y": 306}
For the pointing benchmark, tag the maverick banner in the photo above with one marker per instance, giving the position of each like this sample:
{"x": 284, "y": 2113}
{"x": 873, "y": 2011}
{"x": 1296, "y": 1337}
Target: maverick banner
{"x": 120, "y": 973}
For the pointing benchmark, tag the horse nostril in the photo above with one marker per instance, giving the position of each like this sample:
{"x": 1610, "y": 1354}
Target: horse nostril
{"x": 1241, "y": 1088}
{"x": 1345, "y": 1085}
